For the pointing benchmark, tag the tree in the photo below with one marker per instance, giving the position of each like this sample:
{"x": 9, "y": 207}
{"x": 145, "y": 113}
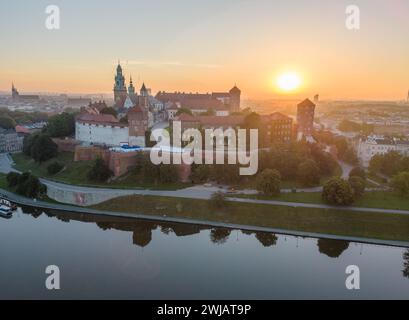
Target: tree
{"x": 12, "y": 179}
{"x": 269, "y": 182}
{"x": 309, "y": 173}
{"x": 54, "y": 168}
{"x": 168, "y": 173}
{"x": 99, "y": 172}
{"x": 28, "y": 185}
{"x": 337, "y": 191}
{"x": 109, "y": 110}
{"x": 43, "y": 148}
{"x": 358, "y": 172}
{"x": 358, "y": 186}
{"x": 7, "y": 122}
{"x": 61, "y": 125}
{"x": 400, "y": 183}
{"x": 200, "y": 173}
{"x": 218, "y": 200}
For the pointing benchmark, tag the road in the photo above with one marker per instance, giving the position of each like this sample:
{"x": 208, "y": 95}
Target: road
{"x": 196, "y": 192}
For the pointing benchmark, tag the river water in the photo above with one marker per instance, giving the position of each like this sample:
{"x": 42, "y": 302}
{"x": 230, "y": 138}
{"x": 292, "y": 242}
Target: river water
{"x": 104, "y": 257}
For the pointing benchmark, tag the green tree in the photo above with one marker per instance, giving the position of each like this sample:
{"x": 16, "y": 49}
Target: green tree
{"x": 168, "y": 173}
{"x": 7, "y": 122}
{"x": 337, "y": 191}
{"x": 309, "y": 173}
{"x": 269, "y": 182}
{"x": 400, "y": 183}
{"x": 358, "y": 186}
{"x": 61, "y": 125}
{"x": 43, "y": 148}
{"x": 99, "y": 172}
{"x": 200, "y": 173}
{"x": 12, "y": 179}
{"x": 358, "y": 172}
{"x": 30, "y": 186}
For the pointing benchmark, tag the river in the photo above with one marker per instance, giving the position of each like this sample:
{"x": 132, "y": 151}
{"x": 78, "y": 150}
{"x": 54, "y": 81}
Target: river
{"x": 113, "y": 258}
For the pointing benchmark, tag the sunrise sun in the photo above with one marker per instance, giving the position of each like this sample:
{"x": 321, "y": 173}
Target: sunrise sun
{"x": 289, "y": 81}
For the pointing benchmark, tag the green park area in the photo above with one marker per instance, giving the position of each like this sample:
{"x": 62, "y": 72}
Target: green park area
{"x": 76, "y": 173}
{"x": 328, "y": 221}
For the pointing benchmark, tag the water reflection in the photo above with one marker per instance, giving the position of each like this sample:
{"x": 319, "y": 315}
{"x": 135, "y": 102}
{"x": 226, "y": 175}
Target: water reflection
{"x": 154, "y": 259}
{"x": 332, "y": 248}
{"x": 405, "y": 270}
{"x": 142, "y": 231}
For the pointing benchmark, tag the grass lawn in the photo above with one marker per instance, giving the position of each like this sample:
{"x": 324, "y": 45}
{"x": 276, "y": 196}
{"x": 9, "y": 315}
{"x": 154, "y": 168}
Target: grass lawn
{"x": 76, "y": 173}
{"x": 375, "y": 199}
{"x": 337, "y": 222}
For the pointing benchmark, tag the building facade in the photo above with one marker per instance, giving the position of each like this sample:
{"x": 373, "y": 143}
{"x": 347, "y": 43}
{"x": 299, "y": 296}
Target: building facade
{"x": 277, "y": 127}
{"x": 10, "y": 141}
{"x": 378, "y": 145}
{"x": 305, "y": 118}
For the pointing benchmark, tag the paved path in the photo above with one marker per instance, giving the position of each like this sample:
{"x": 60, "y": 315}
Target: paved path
{"x": 196, "y": 192}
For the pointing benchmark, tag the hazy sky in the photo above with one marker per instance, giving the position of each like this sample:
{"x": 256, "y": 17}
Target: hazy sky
{"x": 208, "y": 45}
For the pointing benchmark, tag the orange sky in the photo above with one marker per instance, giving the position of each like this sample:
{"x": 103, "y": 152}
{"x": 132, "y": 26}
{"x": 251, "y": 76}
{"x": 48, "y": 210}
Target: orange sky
{"x": 188, "y": 46}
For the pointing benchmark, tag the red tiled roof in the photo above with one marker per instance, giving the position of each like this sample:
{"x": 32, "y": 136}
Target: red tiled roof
{"x": 136, "y": 109}
{"x": 97, "y": 118}
{"x": 306, "y": 103}
{"x": 21, "y": 129}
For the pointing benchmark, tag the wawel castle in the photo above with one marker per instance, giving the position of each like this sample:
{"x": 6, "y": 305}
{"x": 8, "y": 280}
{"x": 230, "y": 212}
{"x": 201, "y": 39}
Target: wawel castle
{"x": 139, "y": 112}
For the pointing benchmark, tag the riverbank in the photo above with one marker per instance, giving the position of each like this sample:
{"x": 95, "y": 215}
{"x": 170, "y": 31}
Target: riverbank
{"x": 404, "y": 242}
{"x": 337, "y": 222}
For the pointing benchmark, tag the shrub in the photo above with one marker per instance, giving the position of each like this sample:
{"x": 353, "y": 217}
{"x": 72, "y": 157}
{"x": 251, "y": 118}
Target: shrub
{"x": 269, "y": 182}
{"x": 337, "y": 191}
{"x": 358, "y": 186}
{"x": 309, "y": 173}
{"x": 99, "y": 172}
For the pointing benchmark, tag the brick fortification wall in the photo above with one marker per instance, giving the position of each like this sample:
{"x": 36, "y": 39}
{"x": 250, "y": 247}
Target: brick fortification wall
{"x": 91, "y": 153}
{"x": 120, "y": 162}
{"x": 66, "y": 145}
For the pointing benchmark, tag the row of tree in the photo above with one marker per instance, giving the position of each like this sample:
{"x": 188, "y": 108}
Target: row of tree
{"x": 26, "y": 184}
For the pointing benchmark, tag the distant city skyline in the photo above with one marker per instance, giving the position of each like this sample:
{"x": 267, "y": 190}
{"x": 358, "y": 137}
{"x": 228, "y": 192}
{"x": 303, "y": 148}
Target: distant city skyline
{"x": 208, "y": 46}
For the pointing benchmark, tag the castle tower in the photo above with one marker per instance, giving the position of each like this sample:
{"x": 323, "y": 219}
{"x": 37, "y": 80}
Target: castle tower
{"x": 144, "y": 97}
{"x": 14, "y": 92}
{"x": 305, "y": 117}
{"x": 120, "y": 92}
{"x": 131, "y": 88}
{"x": 235, "y": 95}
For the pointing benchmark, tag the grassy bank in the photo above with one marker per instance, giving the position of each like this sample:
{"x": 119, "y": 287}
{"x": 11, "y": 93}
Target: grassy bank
{"x": 76, "y": 173}
{"x": 337, "y": 222}
{"x": 375, "y": 199}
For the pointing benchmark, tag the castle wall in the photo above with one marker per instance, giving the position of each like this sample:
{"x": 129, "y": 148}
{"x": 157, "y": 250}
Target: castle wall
{"x": 109, "y": 135}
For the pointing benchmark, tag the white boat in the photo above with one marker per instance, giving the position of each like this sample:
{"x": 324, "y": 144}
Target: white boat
{"x": 5, "y": 211}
